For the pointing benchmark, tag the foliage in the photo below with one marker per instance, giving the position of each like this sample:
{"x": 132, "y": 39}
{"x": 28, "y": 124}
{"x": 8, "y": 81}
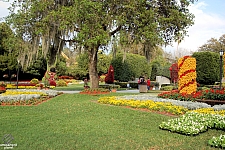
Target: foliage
{"x": 61, "y": 83}
{"x": 3, "y": 84}
{"x": 218, "y": 142}
{"x": 38, "y": 67}
{"x": 168, "y": 88}
{"x": 109, "y": 79}
{"x": 114, "y": 86}
{"x": 130, "y": 68}
{"x": 174, "y": 73}
{"x": 8, "y": 53}
{"x": 213, "y": 45}
{"x": 34, "y": 81}
{"x": 52, "y": 23}
{"x": 133, "y": 85}
{"x": 122, "y": 84}
{"x": 159, "y": 67}
{"x": 155, "y": 66}
{"x": 104, "y": 61}
{"x": 154, "y": 83}
{"x": 102, "y": 78}
{"x": 81, "y": 67}
{"x": 207, "y": 67}
{"x": 61, "y": 67}
{"x": 39, "y": 85}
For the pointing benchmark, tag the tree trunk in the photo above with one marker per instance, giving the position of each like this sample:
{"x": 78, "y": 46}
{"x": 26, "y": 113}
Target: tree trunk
{"x": 147, "y": 52}
{"x": 93, "y": 73}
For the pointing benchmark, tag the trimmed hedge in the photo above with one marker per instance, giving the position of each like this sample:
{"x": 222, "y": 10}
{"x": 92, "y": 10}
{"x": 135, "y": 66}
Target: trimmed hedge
{"x": 133, "y": 85}
{"x": 207, "y": 67}
{"x": 121, "y": 84}
{"x": 133, "y": 66}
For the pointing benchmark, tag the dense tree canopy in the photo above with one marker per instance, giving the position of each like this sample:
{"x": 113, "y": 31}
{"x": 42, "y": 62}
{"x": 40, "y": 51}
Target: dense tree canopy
{"x": 92, "y": 24}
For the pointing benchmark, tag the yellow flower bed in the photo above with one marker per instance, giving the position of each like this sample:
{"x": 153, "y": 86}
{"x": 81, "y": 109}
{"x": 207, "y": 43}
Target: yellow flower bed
{"x": 210, "y": 111}
{"x": 12, "y": 86}
{"x": 187, "y": 75}
{"x": 149, "y": 104}
{"x": 9, "y": 92}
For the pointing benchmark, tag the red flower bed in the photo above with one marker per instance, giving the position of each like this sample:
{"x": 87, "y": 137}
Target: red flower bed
{"x": 65, "y": 77}
{"x": 25, "y": 84}
{"x": 210, "y": 94}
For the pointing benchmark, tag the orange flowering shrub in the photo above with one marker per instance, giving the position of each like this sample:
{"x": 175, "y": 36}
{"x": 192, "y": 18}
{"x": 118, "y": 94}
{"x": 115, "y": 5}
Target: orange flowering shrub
{"x": 187, "y": 75}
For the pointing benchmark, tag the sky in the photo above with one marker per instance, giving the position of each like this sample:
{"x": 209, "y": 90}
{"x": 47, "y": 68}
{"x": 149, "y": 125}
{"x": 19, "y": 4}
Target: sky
{"x": 209, "y": 23}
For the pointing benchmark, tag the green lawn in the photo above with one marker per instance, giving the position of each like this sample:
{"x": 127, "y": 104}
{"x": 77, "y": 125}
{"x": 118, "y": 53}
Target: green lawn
{"x": 72, "y": 87}
{"x": 77, "y": 122}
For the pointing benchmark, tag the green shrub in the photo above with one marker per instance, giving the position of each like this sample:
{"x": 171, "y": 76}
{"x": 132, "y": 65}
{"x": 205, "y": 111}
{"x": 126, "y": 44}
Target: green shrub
{"x": 203, "y": 88}
{"x": 133, "y": 85}
{"x": 104, "y": 86}
{"x": 113, "y": 86}
{"x": 167, "y": 88}
{"x": 207, "y": 67}
{"x": 157, "y": 69}
{"x": 109, "y": 86}
{"x": 34, "y": 81}
{"x": 133, "y": 66}
{"x": 61, "y": 83}
{"x": 102, "y": 78}
{"x": 122, "y": 84}
{"x": 154, "y": 83}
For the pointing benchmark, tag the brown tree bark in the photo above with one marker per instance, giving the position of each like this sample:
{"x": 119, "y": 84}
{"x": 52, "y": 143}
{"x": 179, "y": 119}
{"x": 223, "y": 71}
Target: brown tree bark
{"x": 93, "y": 73}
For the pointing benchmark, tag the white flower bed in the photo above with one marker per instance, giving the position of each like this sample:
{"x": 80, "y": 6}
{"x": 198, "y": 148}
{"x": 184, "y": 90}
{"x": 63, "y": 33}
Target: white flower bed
{"x": 9, "y": 98}
{"x": 193, "y": 123}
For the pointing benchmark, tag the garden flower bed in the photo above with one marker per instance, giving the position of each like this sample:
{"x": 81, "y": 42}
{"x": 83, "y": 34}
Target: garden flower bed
{"x": 96, "y": 91}
{"x": 26, "y": 97}
{"x": 148, "y": 104}
{"x": 209, "y": 96}
{"x": 193, "y": 121}
{"x": 218, "y": 142}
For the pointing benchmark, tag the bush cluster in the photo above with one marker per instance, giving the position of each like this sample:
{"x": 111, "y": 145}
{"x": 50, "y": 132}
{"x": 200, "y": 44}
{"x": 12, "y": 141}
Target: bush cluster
{"x": 61, "y": 83}
{"x": 207, "y": 67}
{"x": 34, "y": 81}
{"x": 132, "y": 67}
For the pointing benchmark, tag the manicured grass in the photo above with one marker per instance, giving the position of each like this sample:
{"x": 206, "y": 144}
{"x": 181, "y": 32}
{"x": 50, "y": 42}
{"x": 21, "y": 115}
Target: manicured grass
{"x": 71, "y": 87}
{"x": 75, "y": 121}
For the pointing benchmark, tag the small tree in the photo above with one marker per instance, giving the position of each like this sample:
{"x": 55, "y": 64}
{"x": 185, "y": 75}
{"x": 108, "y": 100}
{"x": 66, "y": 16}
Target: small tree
{"x": 174, "y": 73}
{"x": 109, "y": 79}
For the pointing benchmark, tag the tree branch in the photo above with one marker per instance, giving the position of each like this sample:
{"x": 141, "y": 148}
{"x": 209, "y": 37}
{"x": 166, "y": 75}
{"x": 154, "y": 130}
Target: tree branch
{"x": 116, "y": 30}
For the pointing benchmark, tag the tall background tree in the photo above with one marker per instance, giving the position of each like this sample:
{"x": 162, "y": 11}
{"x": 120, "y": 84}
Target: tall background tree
{"x": 213, "y": 45}
{"x": 92, "y": 24}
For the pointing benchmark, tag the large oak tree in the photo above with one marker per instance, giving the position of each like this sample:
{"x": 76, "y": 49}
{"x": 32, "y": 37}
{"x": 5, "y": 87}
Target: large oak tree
{"x": 93, "y": 23}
